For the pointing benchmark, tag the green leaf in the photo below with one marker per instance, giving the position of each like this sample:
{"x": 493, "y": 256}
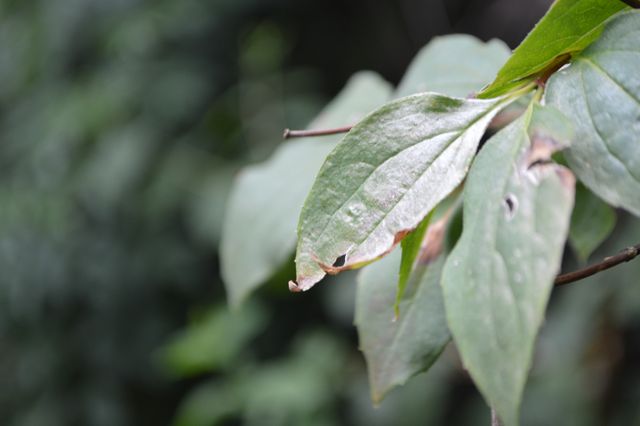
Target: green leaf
{"x": 397, "y": 350}
{"x": 384, "y": 177}
{"x": 592, "y": 222}
{"x": 454, "y": 65}
{"x": 600, "y": 92}
{"x": 498, "y": 278}
{"x": 568, "y": 27}
{"x": 213, "y": 340}
{"x": 259, "y": 233}
{"x": 410, "y": 250}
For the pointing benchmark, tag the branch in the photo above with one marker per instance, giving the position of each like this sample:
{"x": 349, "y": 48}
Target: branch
{"x": 499, "y": 121}
{"x": 625, "y": 255}
{"x": 288, "y": 133}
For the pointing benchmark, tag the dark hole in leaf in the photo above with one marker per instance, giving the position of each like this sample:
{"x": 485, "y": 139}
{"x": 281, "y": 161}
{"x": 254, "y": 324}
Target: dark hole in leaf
{"x": 511, "y": 205}
{"x": 340, "y": 261}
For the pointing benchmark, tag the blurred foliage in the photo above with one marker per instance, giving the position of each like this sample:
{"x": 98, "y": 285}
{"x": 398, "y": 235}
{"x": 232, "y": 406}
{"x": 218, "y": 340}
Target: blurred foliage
{"x": 122, "y": 126}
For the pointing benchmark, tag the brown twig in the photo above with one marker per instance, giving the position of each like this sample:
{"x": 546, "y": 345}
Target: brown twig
{"x": 288, "y": 133}
{"x": 625, "y": 255}
{"x": 499, "y": 121}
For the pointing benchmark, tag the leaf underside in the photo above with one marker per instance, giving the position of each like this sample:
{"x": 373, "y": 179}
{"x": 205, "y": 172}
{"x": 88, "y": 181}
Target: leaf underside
{"x": 568, "y": 27}
{"x": 600, "y": 92}
{"x": 497, "y": 279}
{"x": 260, "y": 222}
{"x": 384, "y": 177}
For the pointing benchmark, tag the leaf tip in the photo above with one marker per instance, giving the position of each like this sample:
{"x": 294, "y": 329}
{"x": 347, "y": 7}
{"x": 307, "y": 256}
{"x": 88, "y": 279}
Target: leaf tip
{"x": 293, "y": 287}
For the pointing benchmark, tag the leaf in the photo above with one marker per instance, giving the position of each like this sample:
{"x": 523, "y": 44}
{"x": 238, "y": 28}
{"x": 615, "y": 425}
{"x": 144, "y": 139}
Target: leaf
{"x": 410, "y": 250}
{"x": 592, "y": 222}
{"x": 213, "y": 341}
{"x": 454, "y": 65}
{"x": 397, "y": 350}
{"x": 497, "y": 280}
{"x": 600, "y": 92}
{"x": 384, "y": 177}
{"x": 568, "y": 27}
{"x": 259, "y": 234}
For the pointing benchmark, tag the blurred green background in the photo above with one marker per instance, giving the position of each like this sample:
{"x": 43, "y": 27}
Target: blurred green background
{"x": 122, "y": 125}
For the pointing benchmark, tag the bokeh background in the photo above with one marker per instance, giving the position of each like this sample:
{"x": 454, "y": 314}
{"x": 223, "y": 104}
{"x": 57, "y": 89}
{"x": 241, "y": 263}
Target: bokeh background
{"x": 122, "y": 125}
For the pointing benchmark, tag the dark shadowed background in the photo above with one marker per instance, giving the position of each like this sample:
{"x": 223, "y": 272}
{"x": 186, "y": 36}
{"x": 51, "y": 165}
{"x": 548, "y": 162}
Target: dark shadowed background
{"x": 122, "y": 125}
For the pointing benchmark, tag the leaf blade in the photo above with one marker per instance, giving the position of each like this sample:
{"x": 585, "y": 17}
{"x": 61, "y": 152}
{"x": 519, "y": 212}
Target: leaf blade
{"x": 592, "y": 222}
{"x": 568, "y": 27}
{"x": 498, "y": 277}
{"x": 397, "y": 350}
{"x": 383, "y": 179}
{"x": 600, "y": 92}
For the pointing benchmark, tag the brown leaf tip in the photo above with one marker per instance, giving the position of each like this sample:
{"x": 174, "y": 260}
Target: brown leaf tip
{"x": 294, "y": 288}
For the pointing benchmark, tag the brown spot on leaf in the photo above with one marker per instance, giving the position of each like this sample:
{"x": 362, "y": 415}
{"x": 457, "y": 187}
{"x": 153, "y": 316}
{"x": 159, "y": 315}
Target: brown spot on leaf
{"x": 537, "y": 161}
{"x": 433, "y": 241}
{"x": 542, "y": 147}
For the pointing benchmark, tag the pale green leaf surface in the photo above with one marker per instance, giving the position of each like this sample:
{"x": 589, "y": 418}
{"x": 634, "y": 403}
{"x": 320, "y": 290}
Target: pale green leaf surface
{"x": 592, "y": 221}
{"x": 497, "y": 280}
{"x": 455, "y": 65}
{"x": 397, "y": 350}
{"x": 410, "y": 250}
{"x": 568, "y": 27}
{"x": 259, "y": 232}
{"x": 600, "y": 92}
{"x": 384, "y": 177}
